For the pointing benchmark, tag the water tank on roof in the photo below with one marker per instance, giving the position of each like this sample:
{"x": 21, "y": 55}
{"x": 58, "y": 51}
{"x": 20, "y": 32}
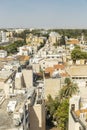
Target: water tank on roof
{"x": 11, "y": 106}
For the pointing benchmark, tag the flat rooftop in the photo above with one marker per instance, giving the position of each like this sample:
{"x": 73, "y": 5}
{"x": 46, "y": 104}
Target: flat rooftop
{"x": 6, "y": 119}
{"x": 77, "y": 70}
{"x": 4, "y": 74}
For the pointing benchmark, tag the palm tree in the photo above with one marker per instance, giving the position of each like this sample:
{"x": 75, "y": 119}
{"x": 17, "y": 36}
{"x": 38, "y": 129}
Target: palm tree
{"x": 68, "y": 89}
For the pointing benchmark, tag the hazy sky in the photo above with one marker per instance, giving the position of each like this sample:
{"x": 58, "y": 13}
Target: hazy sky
{"x": 43, "y": 13}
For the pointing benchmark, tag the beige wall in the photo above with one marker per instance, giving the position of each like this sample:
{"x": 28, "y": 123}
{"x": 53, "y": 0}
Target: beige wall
{"x": 37, "y": 117}
{"x": 2, "y": 85}
{"x": 19, "y": 82}
{"x": 28, "y": 77}
{"x": 5, "y": 87}
{"x": 36, "y": 68}
{"x": 52, "y": 87}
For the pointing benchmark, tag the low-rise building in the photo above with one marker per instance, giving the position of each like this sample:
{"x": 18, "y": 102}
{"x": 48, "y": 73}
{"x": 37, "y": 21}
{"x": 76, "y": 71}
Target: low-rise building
{"x": 72, "y": 41}
{"x": 23, "y": 60}
{"x": 78, "y": 73}
{"x": 35, "y": 39}
{"x": 25, "y": 50}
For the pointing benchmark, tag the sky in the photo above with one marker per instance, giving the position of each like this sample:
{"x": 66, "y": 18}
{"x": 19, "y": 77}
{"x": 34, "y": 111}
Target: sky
{"x": 43, "y": 14}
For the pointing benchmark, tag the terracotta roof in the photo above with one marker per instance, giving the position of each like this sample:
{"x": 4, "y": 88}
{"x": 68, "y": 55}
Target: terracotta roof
{"x": 59, "y": 66}
{"x": 49, "y": 70}
{"x": 64, "y": 74}
{"x": 52, "y": 69}
{"x": 23, "y": 58}
{"x": 78, "y": 112}
{"x": 73, "y": 41}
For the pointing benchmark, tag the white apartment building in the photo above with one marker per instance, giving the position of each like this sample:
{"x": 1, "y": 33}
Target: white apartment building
{"x": 77, "y": 113}
{"x": 19, "y": 30}
{"x": 3, "y": 37}
{"x": 50, "y": 62}
{"x": 54, "y": 37}
{"x": 43, "y": 63}
{"x": 25, "y": 50}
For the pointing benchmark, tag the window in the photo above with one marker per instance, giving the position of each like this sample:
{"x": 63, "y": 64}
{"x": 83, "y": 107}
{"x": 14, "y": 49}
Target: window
{"x": 73, "y": 77}
{"x": 73, "y": 107}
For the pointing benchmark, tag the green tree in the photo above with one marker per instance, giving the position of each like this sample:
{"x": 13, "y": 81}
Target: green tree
{"x": 12, "y": 48}
{"x": 76, "y": 54}
{"x": 57, "y": 110}
{"x": 62, "y": 40}
{"x": 67, "y": 81}
{"x": 51, "y": 107}
{"x": 52, "y": 104}
{"x": 1, "y": 47}
{"x": 61, "y": 114}
{"x": 68, "y": 89}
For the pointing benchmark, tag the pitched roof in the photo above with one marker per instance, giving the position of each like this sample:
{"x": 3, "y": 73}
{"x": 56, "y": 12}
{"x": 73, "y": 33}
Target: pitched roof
{"x": 55, "y": 67}
{"x": 64, "y": 74}
{"x": 49, "y": 70}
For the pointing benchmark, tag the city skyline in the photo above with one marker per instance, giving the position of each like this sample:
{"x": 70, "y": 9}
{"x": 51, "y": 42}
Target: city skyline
{"x": 43, "y": 14}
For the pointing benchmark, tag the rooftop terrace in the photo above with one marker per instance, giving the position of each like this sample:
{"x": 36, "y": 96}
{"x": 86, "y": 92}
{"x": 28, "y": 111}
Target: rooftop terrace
{"x": 6, "y": 119}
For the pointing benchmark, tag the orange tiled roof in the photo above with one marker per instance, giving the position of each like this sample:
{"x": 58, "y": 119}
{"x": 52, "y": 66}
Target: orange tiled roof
{"x": 52, "y": 69}
{"x": 59, "y": 66}
{"x": 80, "y": 111}
{"x": 64, "y": 74}
{"x": 73, "y": 41}
{"x": 49, "y": 70}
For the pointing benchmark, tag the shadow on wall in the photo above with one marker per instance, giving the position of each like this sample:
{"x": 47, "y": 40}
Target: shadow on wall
{"x": 35, "y": 123}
